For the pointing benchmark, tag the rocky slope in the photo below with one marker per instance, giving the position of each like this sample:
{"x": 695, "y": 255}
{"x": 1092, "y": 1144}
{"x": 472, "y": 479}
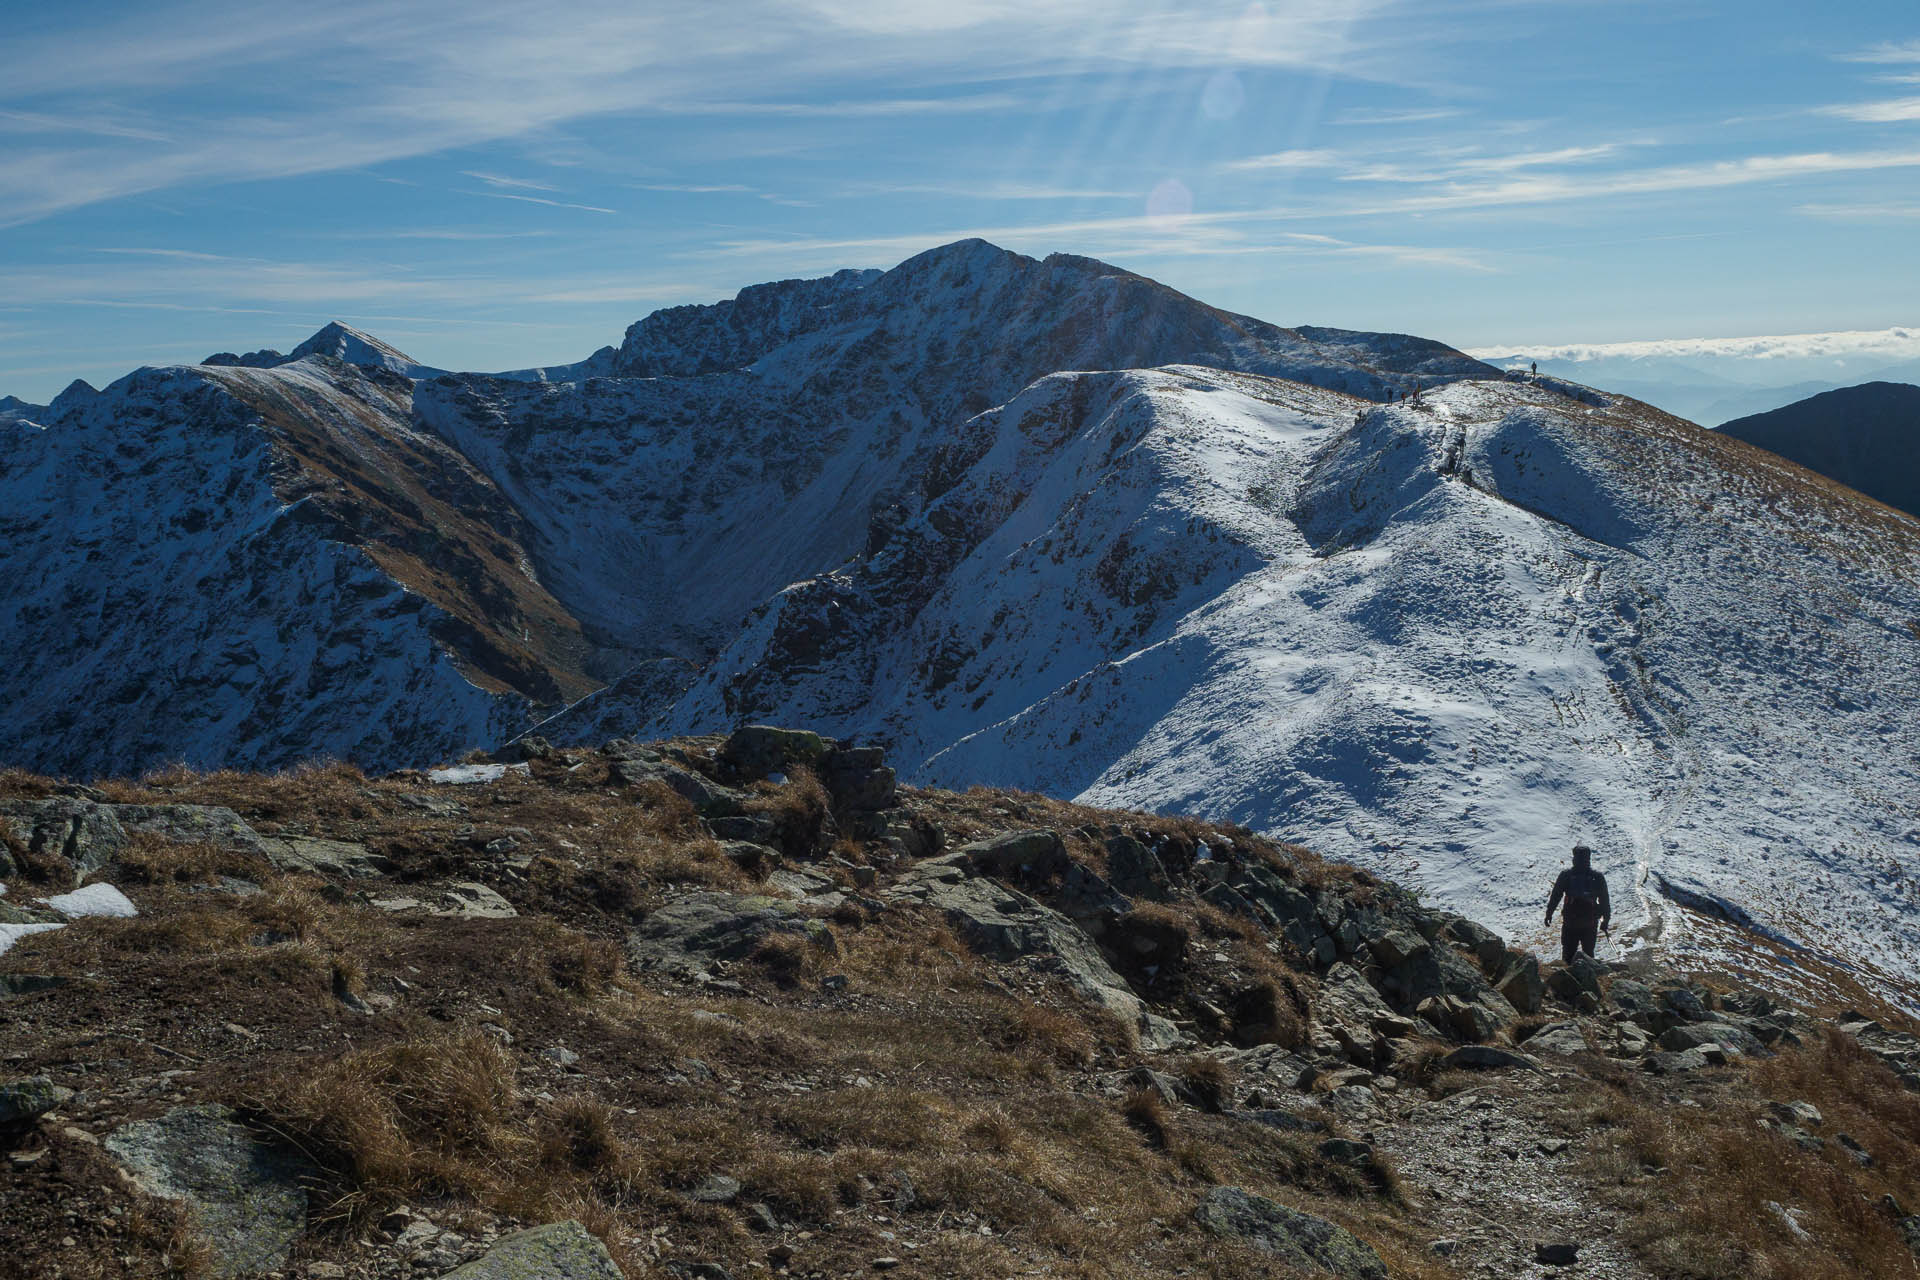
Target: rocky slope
{"x": 716, "y": 1008}
{"x": 1867, "y": 437}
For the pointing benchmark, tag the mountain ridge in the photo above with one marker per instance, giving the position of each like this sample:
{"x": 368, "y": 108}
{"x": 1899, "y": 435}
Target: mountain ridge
{"x": 1014, "y": 516}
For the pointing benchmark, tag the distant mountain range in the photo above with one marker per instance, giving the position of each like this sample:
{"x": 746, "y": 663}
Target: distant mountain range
{"x": 1866, "y": 437}
{"x": 1712, "y": 390}
{"x": 1040, "y": 522}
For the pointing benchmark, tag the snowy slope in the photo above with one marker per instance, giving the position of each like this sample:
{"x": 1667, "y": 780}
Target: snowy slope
{"x": 200, "y": 565}
{"x": 1444, "y": 640}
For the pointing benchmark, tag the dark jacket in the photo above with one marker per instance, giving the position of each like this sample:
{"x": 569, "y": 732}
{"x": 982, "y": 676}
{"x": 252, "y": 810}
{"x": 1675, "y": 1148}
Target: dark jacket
{"x": 1585, "y": 891}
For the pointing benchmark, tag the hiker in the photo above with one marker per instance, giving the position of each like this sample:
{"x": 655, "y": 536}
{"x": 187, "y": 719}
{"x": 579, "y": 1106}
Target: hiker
{"x": 1588, "y": 909}
{"x": 1535, "y": 370}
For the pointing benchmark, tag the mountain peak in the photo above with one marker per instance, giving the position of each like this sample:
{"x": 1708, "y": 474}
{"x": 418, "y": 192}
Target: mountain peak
{"x": 343, "y": 342}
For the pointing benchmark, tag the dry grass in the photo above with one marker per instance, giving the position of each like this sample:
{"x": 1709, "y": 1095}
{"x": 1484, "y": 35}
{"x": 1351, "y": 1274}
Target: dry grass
{"x": 1702, "y": 1183}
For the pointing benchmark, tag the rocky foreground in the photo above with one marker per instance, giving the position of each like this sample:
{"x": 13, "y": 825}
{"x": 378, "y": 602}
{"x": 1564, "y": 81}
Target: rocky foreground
{"x": 734, "y": 1007}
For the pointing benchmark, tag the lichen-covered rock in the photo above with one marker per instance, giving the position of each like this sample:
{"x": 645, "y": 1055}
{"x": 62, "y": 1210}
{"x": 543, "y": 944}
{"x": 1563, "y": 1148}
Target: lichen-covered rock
{"x": 190, "y": 824}
{"x": 1006, "y": 924}
{"x": 324, "y": 857}
{"x": 86, "y": 834}
{"x": 28, "y": 1099}
{"x": 557, "y": 1251}
{"x": 1298, "y": 1239}
{"x": 760, "y": 749}
{"x": 247, "y": 1197}
{"x": 687, "y": 935}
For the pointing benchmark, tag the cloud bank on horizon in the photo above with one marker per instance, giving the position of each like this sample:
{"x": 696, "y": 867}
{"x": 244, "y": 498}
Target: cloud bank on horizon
{"x": 491, "y": 185}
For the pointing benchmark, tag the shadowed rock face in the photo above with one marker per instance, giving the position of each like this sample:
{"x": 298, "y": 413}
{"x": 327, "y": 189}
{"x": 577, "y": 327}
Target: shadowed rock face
{"x": 1866, "y": 437}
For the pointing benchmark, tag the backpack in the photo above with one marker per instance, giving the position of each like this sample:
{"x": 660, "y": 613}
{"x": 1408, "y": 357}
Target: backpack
{"x": 1583, "y": 893}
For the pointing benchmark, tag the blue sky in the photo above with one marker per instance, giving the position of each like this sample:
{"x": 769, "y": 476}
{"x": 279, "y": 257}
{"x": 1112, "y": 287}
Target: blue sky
{"x": 489, "y": 185}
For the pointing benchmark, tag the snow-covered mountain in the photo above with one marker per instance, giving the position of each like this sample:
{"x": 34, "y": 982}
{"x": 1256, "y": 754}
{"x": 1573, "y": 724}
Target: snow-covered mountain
{"x": 1022, "y": 520}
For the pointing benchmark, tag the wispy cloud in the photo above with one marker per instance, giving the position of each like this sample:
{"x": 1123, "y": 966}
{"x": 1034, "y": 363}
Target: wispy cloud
{"x": 551, "y": 204}
{"x": 361, "y": 83}
{"x": 717, "y": 188}
{"x": 1888, "y": 51}
{"x": 498, "y": 180}
{"x": 1901, "y": 341}
{"x": 1863, "y": 212}
{"x": 1410, "y": 115}
{"x": 37, "y": 122}
{"x": 1549, "y": 188}
{"x": 1300, "y": 158}
{"x": 1890, "y": 111}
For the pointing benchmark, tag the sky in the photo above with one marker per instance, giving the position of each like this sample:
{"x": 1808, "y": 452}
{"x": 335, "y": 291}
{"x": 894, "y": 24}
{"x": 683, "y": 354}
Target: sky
{"x": 489, "y": 185}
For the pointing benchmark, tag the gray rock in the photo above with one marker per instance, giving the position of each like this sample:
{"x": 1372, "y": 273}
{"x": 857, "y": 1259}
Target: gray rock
{"x": 191, "y": 824}
{"x": 86, "y": 834}
{"x": 1392, "y": 948}
{"x": 557, "y": 1251}
{"x": 29, "y": 1099}
{"x": 1698, "y": 1035}
{"x": 1898, "y": 1050}
{"x": 1347, "y": 1151}
{"x": 1667, "y": 1064}
{"x": 1286, "y": 1121}
{"x": 1853, "y": 1148}
{"x": 1137, "y": 870}
{"x": 1521, "y": 983}
{"x": 1017, "y": 853}
{"x": 1486, "y": 1057}
{"x": 1561, "y": 1037}
{"x": 1005, "y": 924}
{"x": 753, "y": 828}
{"x": 760, "y": 749}
{"x": 314, "y": 856}
{"x": 1298, "y": 1239}
{"x": 1684, "y": 1004}
{"x": 246, "y": 1197}
{"x": 688, "y": 935}
{"x": 718, "y": 1189}
{"x": 631, "y": 765}
{"x": 27, "y": 984}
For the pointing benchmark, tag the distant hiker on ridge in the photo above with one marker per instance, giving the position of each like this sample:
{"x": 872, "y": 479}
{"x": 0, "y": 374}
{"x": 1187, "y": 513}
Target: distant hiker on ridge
{"x": 1588, "y": 908}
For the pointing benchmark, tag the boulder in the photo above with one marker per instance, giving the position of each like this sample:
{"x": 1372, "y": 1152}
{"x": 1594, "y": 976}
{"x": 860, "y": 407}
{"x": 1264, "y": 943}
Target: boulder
{"x": 314, "y": 856}
{"x": 557, "y": 1251}
{"x": 1520, "y": 982}
{"x": 1286, "y": 1121}
{"x": 29, "y": 1099}
{"x": 858, "y": 780}
{"x": 688, "y": 935}
{"x": 760, "y": 749}
{"x": 1483, "y": 943}
{"x": 1486, "y": 1057}
{"x": 1667, "y": 1064}
{"x": 1136, "y": 870}
{"x": 87, "y": 835}
{"x": 632, "y": 765}
{"x": 1005, "y": 924}
{"x": 247, "y": 1198}
{"x": 1018, "y": 853}
{"x": 1393, "y": 947}
{"x": 1697, "y": 1035}
{"x": 1683, "y": 1004}
{"x": 1298, "y": 1239}
{"x": 1561, "y": 1037}
{"x": 191, "y": 824}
